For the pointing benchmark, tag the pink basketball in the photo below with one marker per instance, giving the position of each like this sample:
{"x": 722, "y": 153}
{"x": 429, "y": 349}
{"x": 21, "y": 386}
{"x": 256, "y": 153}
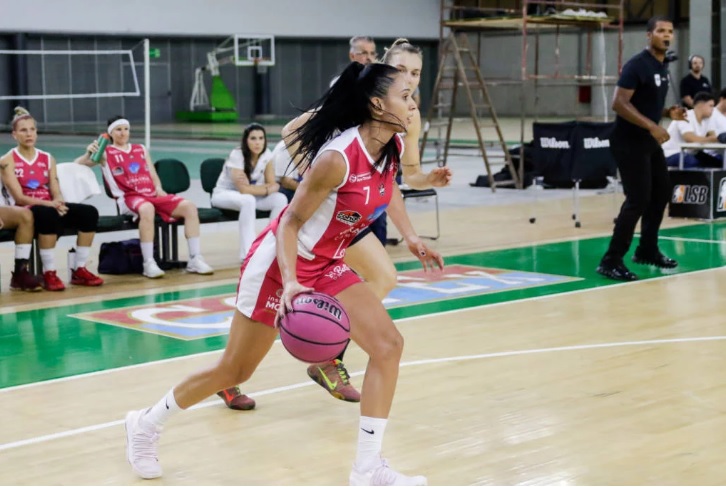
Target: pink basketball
{"x": 317, "y": 330}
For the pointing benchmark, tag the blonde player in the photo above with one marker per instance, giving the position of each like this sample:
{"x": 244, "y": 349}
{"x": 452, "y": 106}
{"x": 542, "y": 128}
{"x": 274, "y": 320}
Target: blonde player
{"x": 30, "y": 180}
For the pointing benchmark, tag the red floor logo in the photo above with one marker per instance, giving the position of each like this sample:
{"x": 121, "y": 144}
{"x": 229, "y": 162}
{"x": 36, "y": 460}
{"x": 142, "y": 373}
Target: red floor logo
{"x": 188, "y": 319}
{"x": 197, "y": 318}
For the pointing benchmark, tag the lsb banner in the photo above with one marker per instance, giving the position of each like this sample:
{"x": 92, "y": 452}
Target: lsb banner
{"x": 698, "y": 193}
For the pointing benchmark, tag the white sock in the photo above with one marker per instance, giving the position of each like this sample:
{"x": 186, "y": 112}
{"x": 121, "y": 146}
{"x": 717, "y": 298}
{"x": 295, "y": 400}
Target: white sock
{"x": 162, "y": 410}
{"x": 22, "y": 251}
{"x": 370, "y": 441}
{"x": 82, "y": 254}
{"x": 47, "y": 258}
{"x": 147, "y": 251}
{"x": 194, "y": 250}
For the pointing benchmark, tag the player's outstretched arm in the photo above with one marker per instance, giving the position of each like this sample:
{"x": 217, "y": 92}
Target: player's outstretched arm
{"x": 413, "y": 176}
{"x": 430, "y": 259}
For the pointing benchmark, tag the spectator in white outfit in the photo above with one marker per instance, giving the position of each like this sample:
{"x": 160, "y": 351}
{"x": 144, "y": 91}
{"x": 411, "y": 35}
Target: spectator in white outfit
{"x": 718, "y": 117}
{"x": 247, "y": 183}
{"x": 696, "y": 129}
{"x": 717, "y": 123}
{"x": 285, "y": 172}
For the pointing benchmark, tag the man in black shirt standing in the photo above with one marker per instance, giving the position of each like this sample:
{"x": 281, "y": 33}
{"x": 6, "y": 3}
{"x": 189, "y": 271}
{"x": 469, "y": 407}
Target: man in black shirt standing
{"x": 639, "y": 102}
{"x": 694, "y": 82}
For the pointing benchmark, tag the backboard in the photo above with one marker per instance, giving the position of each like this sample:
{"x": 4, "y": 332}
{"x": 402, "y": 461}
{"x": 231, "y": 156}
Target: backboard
{"x": 254, "y": 50}
{"x": 245, "y": 50}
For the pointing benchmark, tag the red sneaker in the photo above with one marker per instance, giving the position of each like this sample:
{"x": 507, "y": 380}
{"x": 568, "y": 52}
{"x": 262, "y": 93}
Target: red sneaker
{"x": 51, "y": 281}
{"x": 23, "y": 280}
{"x": 334, "y": 378}
{"x": 83, "y": 277}
{"x": 234, "y": 399}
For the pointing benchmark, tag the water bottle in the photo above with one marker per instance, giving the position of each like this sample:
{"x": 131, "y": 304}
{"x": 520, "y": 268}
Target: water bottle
{"x": 102, "y": 143}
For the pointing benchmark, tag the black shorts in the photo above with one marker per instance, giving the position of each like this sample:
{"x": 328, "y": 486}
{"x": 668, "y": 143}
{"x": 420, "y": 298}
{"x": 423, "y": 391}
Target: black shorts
{"x": 360, "y": 236}
{"x": 80, "y": 217}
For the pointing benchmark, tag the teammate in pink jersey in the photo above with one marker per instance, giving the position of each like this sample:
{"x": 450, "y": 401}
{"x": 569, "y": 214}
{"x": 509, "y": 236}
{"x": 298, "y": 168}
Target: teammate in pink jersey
{"x": 303, "y": 249}
{"x": 29, "y": 177}
{"x": 132, "y": 179}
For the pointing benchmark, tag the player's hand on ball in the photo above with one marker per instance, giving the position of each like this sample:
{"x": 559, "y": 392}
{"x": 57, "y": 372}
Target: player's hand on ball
{"x": 289, "y": 291}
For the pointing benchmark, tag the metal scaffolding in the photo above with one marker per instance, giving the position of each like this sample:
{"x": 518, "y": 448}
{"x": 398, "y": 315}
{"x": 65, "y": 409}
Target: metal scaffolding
{"x": 530, "y": 18}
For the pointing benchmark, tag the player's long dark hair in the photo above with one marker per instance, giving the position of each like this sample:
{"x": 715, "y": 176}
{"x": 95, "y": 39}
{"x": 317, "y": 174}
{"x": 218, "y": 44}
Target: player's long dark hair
{"x": 244, "y": 145}
{"x": 347, "y": 104}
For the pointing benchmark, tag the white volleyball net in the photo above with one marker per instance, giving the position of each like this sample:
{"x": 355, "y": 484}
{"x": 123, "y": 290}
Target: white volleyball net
{"x": 67, "y": 88}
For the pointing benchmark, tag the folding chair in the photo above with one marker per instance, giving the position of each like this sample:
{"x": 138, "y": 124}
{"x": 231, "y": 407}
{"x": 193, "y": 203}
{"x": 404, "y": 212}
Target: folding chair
{"x": 424, "y": 193}
{"x": 174, "y": 177}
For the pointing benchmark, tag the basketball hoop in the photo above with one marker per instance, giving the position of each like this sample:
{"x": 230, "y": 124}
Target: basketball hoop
{"x": 260, "y": 64}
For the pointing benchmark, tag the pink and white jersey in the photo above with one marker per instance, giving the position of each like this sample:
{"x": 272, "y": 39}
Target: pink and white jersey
{"x": 126, "y": 172}
{"x": 362, "y": 197}
{"x": 34, "y": 176}
{"x": 322, "y": 241}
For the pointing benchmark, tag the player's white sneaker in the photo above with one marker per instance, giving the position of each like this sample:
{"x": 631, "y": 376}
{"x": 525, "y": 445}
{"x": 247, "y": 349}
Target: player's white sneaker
{"x": 152, "y": 269}
{"x": 197, "y": 265}
{"x": 142, "y": 442}
{"x": 382, "y": 474}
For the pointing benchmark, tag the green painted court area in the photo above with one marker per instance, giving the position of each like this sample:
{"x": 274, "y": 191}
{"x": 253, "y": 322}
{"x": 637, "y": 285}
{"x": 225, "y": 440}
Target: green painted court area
{"x": 50, "y": 343}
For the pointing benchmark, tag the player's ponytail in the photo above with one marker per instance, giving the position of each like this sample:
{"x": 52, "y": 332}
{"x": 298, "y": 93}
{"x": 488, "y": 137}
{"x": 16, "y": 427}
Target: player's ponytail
{"x": 346, "y": 104}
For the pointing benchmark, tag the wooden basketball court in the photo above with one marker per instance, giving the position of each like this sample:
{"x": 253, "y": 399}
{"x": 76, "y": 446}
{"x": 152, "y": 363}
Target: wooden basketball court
{"x": 571, "y": 379}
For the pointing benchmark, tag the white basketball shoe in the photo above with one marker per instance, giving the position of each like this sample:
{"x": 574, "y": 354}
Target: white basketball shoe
{"x": 383, "y": 474}
{"x": 152, "y": 269}
{"x": 142, "y": 443}
{"x": 197, "y": 265}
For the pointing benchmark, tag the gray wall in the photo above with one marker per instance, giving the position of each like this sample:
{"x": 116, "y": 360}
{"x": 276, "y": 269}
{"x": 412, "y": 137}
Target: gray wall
{"x": 500, "y": 57}
{"x": 304, "y": 68}
{"x": 284, "y": 18}
{"x": 303, "y": 71}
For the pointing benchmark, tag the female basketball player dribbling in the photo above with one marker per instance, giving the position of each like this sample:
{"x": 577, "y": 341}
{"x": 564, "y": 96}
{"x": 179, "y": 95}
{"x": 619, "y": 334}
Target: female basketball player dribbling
{"x": 303, "y": 250}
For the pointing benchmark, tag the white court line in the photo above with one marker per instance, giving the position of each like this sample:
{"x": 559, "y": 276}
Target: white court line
{"x": 400, "y": 320}
{"x": 512, "y": 353}
{"x": 697, "y": 240}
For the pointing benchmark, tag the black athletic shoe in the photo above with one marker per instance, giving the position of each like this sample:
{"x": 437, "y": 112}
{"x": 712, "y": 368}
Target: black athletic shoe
{"x": 657, "y": 259}
{"x": 616, "y": 271}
